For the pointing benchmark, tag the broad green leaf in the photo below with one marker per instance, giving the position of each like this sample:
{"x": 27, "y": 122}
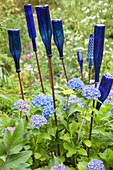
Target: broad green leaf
{"x": 36, "y": 131}
{"x": 54, "y": 162}
{"x": 7, "y": 138}
{"x": 87, "y": 143}
{"x": 82, "y": 165}
{"x": 37, "y": 155}
{"x": 2, "y": 149}
{"x": 52, "y": 131}
{"x": 18, "y": 132}
{"x": 61, "y": 99}
{"x": 72, "y": 109}
{"x": 71, "y": 151}
{"x": 82, "y": 152}
{"x": 99, "y": 130}
{"x": 17, "y": 159}
{"x": 66, "y": 137}
{"x": 46, "y": 136}
{"x": 3, "y": 157}
{"x": 16, "y": 149}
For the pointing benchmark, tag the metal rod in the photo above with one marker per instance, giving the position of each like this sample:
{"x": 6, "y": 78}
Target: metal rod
{"x": 91, "y": 124}
{"x": 39, "y": 71}
{"x": 52, "y": 86}
{"x": 82, "y": 75}
{"x": 89, "y": 76}
{"x": 22, "y": 91}
{"x": 65, "y": 70}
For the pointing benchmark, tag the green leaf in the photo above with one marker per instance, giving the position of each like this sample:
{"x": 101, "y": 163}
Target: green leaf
{"x": 72, "y": 109}
{"x": 2, "y": 149}
{"x": 18, "y": 132}
{"x": 71, "y": 149}
{"x": 99, "y": 130}
{"x": 82, "y": 152}
{"x": 7, "y": 138}
{"x": 87, "y": 143}
{"x": 82, "y": 165}
{"x": 17, "y": 159}
{"x": 61, "y": 99}
{"x": 52, "y": 131}
{"x": 54, "y": 162}
{"x": 66, "y": 137}
{"x": 45, "y": 136}
{"x": 37, "y": 155}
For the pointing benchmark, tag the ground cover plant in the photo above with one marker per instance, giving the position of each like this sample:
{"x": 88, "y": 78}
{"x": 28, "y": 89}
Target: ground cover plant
{"x": 33, "y": 143}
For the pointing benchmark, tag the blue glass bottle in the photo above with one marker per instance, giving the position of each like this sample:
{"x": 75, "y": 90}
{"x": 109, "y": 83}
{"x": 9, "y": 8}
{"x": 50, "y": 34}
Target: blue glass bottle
{"x": 45, "y": 27}
{"x": 58, "y": 35}
{"x": 90, "y": 53}
{"x": 105, "y": 87}
{"x": 30, "y": 24}
{"x": 99, "y": 32}
{"x": 80, "y": 59}
{"x": 15, "y": 47}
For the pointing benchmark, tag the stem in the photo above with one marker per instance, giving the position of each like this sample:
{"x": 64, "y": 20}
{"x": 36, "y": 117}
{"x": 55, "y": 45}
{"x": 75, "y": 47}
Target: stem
{"x": 75, "y": 160}
{"x": 65, "y": 70}
{"x": 80, "y": 131}
{"x": 89, "y": 75}
{"x": 22, "y": 91}
{"x": 39, "y": 71}
{"x": 67, "y": 105}
{"x": 82, "y": 76}
{"x": 52, "y": 86}
{"x": 91, "y": 124}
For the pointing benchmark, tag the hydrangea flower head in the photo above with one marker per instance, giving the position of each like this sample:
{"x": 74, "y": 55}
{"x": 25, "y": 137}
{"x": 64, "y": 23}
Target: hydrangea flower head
{"x": 108, "y": 101}
{"x": 59, "y": 167}
{"x": 21, "y": 105}
{"x": 91, "y": 92}
{"x": 42, "y": 100}
{"x": 48, "y": 111}
{"x": 11, "y": 129}
{"x": 95, "y": 165}
{"x": 37, "y": 121}
{"x": 110, "y": 96}
{"x": 112, "y": 110}
{"x": 73, "y": 100}
{"x": 76, "y": 84}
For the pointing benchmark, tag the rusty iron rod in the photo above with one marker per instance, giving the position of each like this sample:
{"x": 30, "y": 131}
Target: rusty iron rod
{"x": 22, "y": 91}
{"x": 91, "y": 124}
{"x": 89, "y": 76}
{"x": 82, "y": 75}
{"x": 52, "y": 86}
{"x": 65, "y": 70}
{"x": 39, "y": 71}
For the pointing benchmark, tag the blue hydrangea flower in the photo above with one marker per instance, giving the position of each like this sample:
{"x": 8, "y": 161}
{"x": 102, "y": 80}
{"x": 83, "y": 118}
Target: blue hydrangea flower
{"x": 21, "y": 105}
{"x": 75, "y": 83}
{"x": 91, "y": 92}
{"x": 108, "y": 101}
{"x": 48, "y": 111}
{"x": 42, "y": 100}
{"x": 73, "y": 100}
{"x": 110, "y": 96}
{"x": 81, "y": 104}
{"x": 59, "y": 167}
{"x": 11, "y": 129}
{"x": 95, "y": 165}
{"x": 37, "y": 121}
{"x": 112, "y": 110}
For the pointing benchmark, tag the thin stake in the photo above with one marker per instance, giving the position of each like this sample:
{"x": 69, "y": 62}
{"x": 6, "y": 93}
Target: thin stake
{"x": 39, "y": 71}
{"x": 52, "y": 86}
{"x": 89, "y": 76}
{"x": 82, "y": 76}
{"x": 91, "y": 124}
{"x": 65, "y": 70}
{"x": 22, "y": 91}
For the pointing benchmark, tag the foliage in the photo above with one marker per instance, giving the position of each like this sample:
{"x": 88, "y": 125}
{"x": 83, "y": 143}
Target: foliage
{"x": 32, "y": 148}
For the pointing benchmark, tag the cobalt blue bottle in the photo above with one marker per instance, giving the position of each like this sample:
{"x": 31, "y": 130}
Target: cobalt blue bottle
{"x": 45, "y": 27}
{"x": 15, "y": 46}
{"x": 58, "y": 35}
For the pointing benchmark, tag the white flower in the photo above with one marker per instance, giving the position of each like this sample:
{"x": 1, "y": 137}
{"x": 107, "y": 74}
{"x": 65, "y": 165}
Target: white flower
{"x": 83, "y": 8}
{"x": 104, "y": 11}
{"x": 105, "y": 4}
{"x": 99, "y": 2}
{"x": 87, "y": 11}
